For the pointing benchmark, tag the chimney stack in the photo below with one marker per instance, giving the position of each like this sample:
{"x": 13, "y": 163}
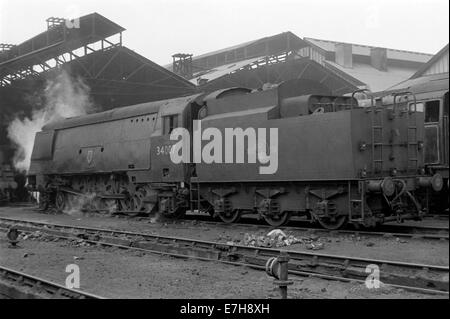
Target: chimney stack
{"x": 378, "y": 58}
{"x": 344, "y": 55}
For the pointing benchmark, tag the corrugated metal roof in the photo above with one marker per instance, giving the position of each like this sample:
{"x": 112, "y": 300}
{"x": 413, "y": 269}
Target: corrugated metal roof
{"x": 437, "y": 81}
{"x": 246, "y": 44}
{"x": 359, "y": 49}
{"x": 284, "y": 39}
{"x": 222, "y": 70}
{"x": 375, "y": 79}
{"x": 434, "y": 59}
{"x": 93, "y": 27}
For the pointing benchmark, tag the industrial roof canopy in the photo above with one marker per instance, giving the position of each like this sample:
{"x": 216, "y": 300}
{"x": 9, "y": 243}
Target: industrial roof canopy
{"x": 91, "y": 49}
{"x": 57, "y": 40}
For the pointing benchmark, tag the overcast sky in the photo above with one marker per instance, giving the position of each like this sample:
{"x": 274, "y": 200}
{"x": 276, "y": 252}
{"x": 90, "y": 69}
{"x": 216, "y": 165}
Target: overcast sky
{"x": 159, "y": 28}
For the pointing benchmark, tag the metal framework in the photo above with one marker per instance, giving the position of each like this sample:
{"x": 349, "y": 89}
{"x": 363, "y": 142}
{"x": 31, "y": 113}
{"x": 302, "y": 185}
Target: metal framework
{"x": 270, "y": 60}
{"x": 278, "y": 68}
{"x": 56, "y": 46}
{"x": 5, "y": 46}
{"x": 182, "y": 65}
{"x": 54, "y": 22}
{"x": 115, "y": 74}
{"x": 269, "y": 46}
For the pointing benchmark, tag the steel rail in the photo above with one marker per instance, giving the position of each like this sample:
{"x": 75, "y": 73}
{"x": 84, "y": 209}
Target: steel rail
{"x": 400, "y": 231}
{"x": 405, "y": 274}
{"x": 41, "y": 287}
{"x": 414, "y": 232}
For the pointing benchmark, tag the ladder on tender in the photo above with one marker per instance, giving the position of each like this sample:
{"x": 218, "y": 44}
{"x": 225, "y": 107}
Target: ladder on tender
{"x": 377, "y": 126}
{"x": 377, "y": 133}
{"x": 411, "y": 132}
{"x": 194, "y": 192}
{"x": 377, "y": 136}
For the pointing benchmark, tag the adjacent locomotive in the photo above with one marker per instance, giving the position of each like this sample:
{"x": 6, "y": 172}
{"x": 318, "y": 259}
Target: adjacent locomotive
{"x": 337, "y": 163}
{"x": 7, "y": 182}
{"x": 431, "y": 98}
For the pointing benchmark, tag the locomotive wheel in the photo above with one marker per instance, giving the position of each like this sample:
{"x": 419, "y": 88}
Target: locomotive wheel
{"x": 109, "y": 206}
{"x": 333, "y": 223}
{"x": 277, "y": 220}
{"x": 230, "y": 217}
{"x": 43, "y": 201}
{"x": 60, "y": 201}
{"x": 139, "y": 204}
{"x": 126, "y": 207}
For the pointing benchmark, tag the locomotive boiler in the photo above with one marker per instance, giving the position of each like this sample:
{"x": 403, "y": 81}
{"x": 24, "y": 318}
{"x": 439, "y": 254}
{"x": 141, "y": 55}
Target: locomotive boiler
{"x": 336, "y": 163}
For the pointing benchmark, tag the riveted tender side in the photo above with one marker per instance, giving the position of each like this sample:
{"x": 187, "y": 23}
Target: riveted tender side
{"x": 337, "y": 163}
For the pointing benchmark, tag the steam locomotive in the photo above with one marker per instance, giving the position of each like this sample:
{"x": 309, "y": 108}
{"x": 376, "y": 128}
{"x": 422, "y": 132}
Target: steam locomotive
{"x": 329, "y": 160}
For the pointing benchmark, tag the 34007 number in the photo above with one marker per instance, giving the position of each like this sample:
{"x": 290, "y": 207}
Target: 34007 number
{"x": 163, "y": 149}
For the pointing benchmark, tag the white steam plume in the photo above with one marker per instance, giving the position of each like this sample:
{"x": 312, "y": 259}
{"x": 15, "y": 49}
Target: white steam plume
{"x": 64, "y": 97}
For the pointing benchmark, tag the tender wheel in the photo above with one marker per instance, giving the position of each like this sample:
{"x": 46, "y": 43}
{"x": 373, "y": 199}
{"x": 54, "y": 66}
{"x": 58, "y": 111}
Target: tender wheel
{"x": 60, "y": 201}
{"x": 209, "y": 210}
{"x": 230, "y": 217}
{"x": 176, "y": 213}
{"x": 277, "y": 220}
{"x": 333, "y": 223}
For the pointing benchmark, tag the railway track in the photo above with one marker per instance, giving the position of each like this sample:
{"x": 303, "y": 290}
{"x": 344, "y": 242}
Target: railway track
{"x": 400, "y": 231}
{"x": 418, "y": 277}
{"x": 387, "y": 230}
{"x": 12, "y": 284}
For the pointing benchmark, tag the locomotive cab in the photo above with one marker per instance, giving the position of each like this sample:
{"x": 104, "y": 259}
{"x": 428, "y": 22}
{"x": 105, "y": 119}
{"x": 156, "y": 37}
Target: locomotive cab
{"x": 436, "y": 134}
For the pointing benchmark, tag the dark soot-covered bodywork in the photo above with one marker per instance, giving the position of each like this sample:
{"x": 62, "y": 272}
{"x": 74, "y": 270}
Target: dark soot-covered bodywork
{"x": 337, "y": 162}
{"x": 431, "y": 94}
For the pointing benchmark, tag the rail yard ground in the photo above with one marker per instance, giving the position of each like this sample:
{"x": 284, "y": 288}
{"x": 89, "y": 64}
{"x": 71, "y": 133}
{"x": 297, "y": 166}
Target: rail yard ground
{"x": 115, "y": 273}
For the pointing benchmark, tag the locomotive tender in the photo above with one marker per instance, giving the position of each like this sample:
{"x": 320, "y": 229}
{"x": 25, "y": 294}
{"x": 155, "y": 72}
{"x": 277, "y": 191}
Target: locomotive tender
{"x": 337, "y": 163}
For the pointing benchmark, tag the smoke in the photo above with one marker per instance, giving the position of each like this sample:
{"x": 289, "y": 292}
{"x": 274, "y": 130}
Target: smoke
{"x": 63, "y": 97}
{"x": 76, "y": 205}
{"x": 88, "y": 203}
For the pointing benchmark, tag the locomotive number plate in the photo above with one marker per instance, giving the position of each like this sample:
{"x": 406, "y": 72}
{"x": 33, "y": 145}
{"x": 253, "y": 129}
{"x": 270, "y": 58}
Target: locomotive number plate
{"x": 163, "y": 149}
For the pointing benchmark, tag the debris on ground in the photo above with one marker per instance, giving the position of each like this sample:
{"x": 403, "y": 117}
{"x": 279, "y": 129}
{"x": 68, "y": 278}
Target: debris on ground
{"x": 82, "y": 236}
{"x": 278, "y": 238}
{"x": 314, "y": 246}
{"x": 36, "y": 235}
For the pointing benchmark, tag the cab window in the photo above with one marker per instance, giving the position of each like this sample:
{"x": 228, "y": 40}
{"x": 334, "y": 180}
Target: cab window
{"x": 432, "y": 111}
{"x": 170, "y": 122}
{"x": 418, "y": 108}
{"x": 446, "y": 104}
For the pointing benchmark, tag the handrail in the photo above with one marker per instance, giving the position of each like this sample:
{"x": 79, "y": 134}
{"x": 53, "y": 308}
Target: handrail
{"x": 395, "y": 95}
{"x": 363, "y": 91}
